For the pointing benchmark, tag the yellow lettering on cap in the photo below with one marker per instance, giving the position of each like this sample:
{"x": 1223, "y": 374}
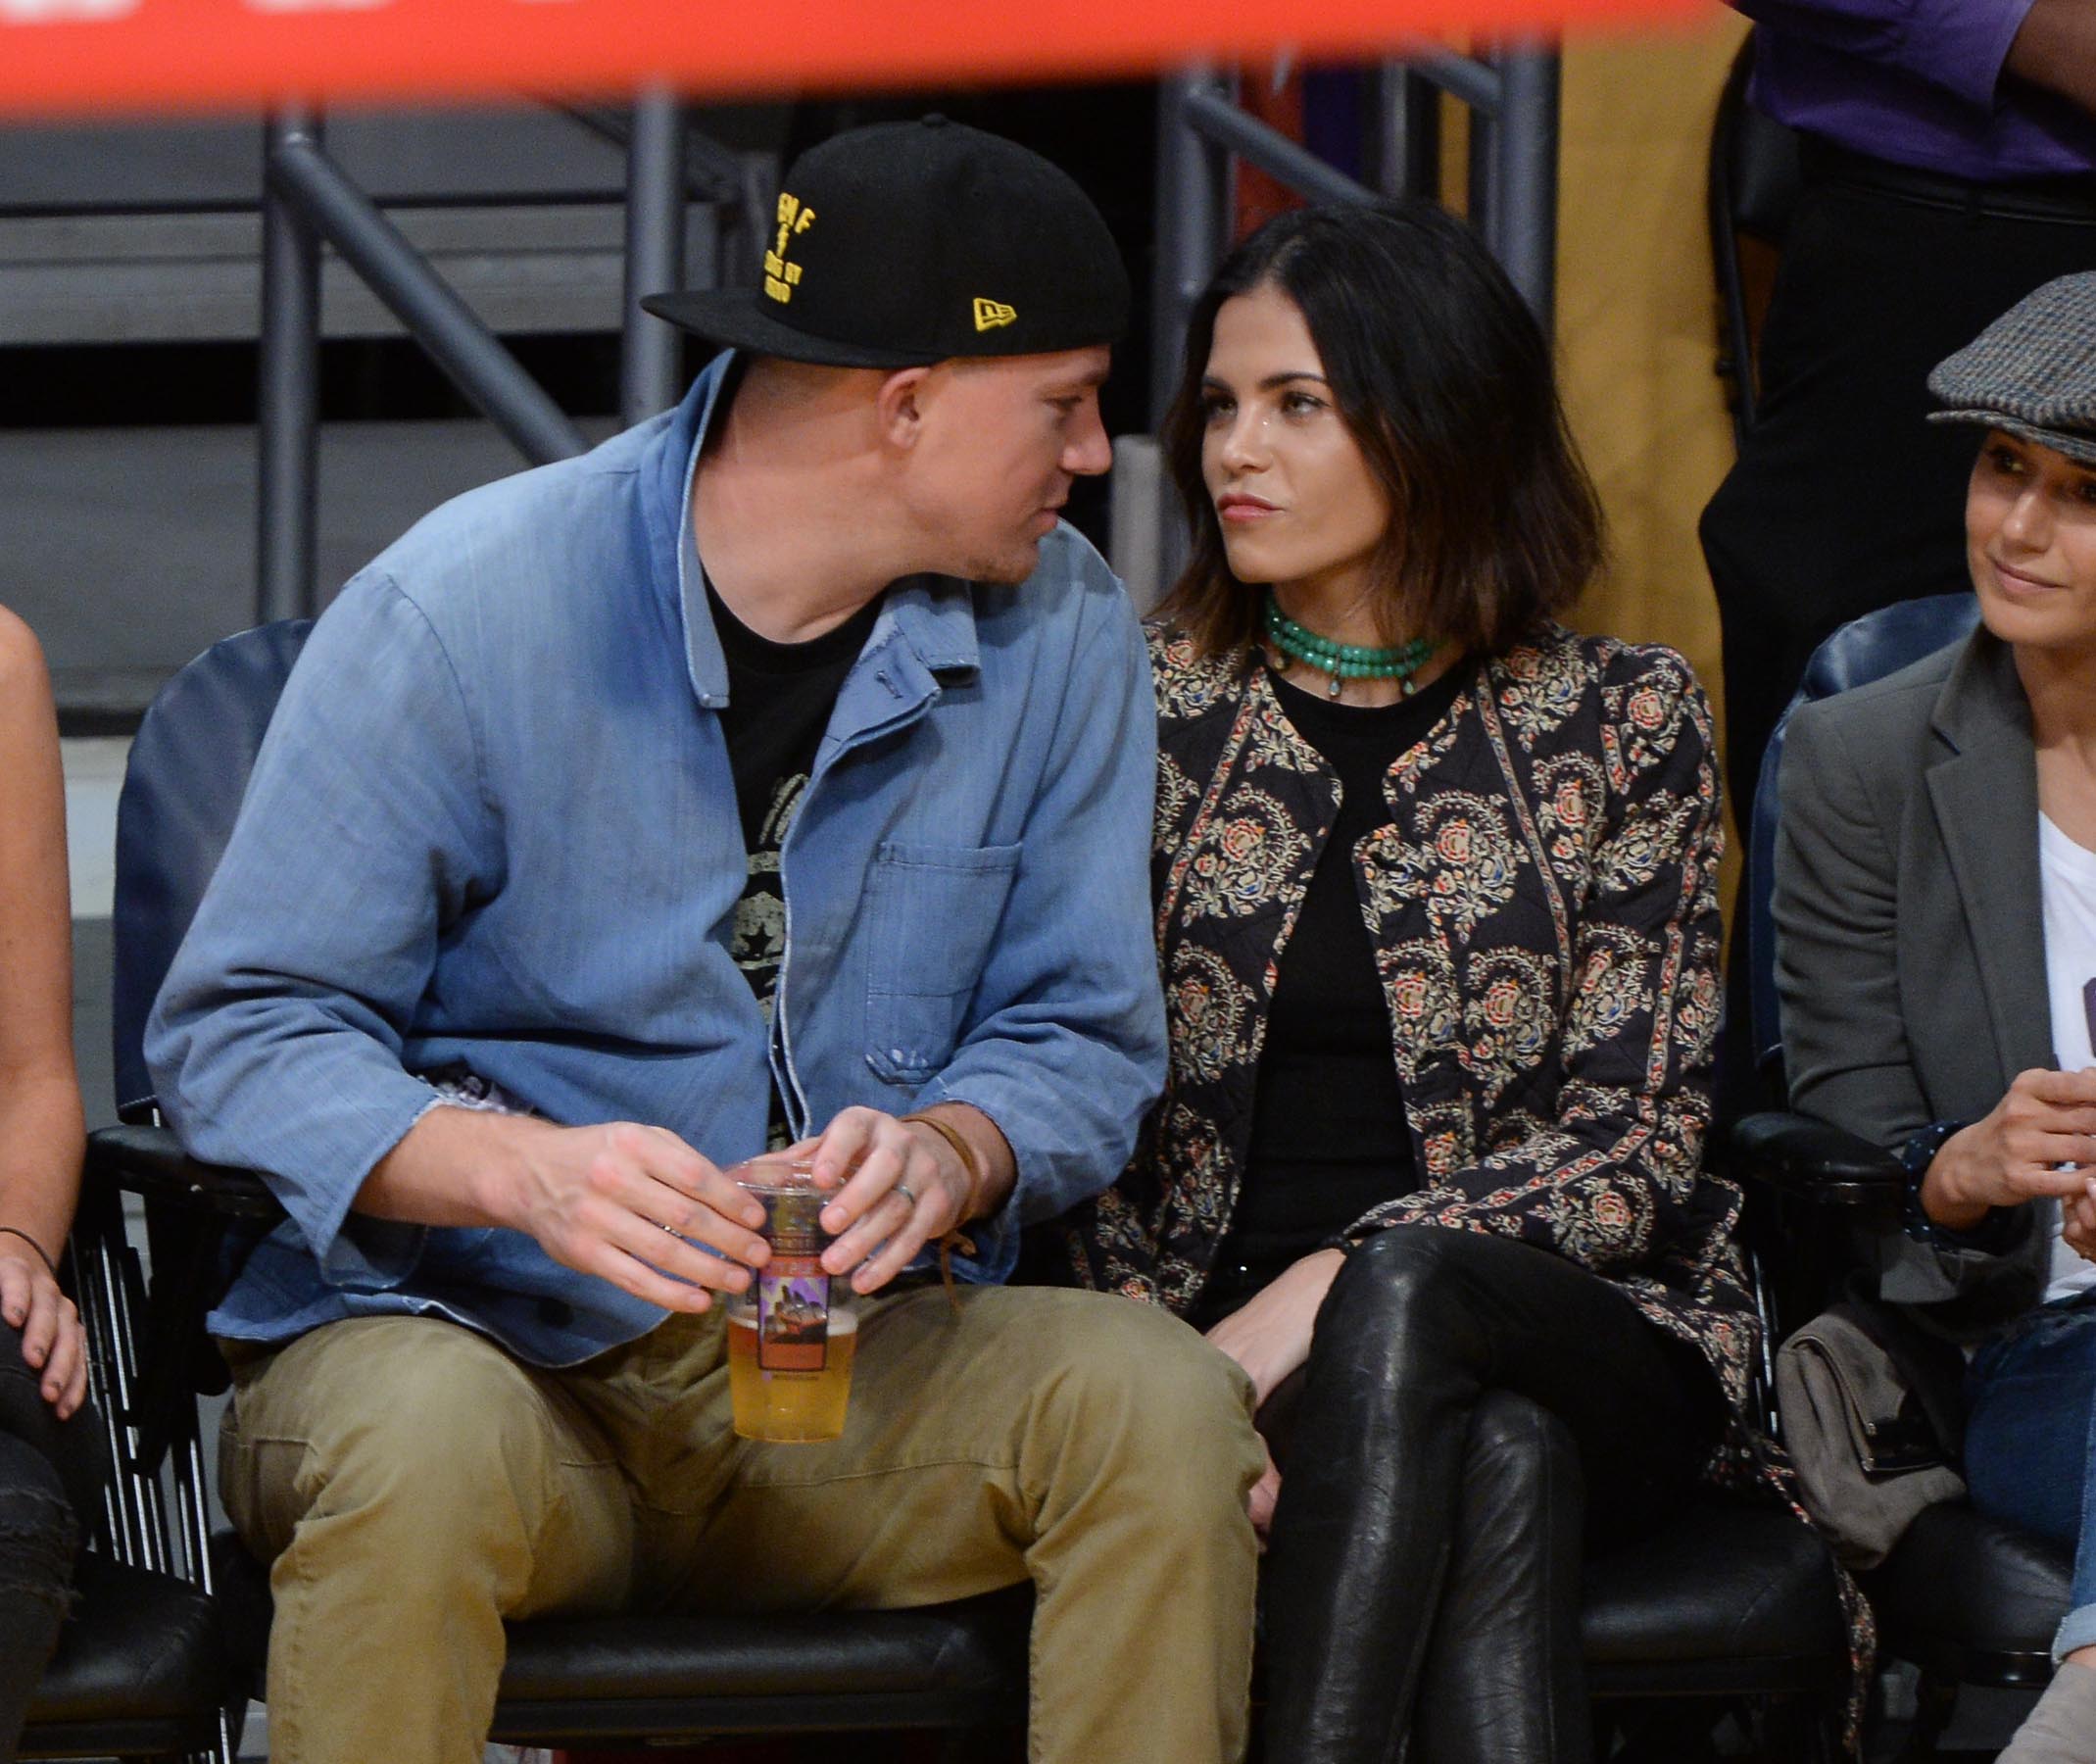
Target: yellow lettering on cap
{"x": 780, "y": 277}
{"x": 990, "y": 314}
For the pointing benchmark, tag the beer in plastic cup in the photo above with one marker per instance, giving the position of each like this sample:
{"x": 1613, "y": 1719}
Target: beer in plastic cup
{"x": 792, "y": 1334}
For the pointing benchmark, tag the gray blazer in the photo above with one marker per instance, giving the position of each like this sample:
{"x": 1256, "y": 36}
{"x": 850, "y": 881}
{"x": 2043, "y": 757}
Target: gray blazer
{"x": 1910, "y": 936}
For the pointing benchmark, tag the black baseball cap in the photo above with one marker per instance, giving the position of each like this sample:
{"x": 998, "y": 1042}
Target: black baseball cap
{"x": 907, "y": 243}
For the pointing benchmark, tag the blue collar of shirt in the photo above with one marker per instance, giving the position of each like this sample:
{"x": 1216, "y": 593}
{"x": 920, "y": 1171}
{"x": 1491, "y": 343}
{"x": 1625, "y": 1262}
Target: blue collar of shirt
{"x": 929, "y": 619}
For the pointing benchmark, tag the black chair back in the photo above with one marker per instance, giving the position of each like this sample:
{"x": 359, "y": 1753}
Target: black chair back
{"x": 1756, "y": 178}
{"x": 182, "y": 787}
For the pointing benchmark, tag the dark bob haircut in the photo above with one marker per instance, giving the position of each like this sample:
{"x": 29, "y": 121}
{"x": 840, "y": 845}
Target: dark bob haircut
{"x": 1445, "y": 378}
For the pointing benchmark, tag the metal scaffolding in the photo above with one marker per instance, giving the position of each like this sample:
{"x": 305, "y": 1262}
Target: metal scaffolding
{"x": 310, "y": 202}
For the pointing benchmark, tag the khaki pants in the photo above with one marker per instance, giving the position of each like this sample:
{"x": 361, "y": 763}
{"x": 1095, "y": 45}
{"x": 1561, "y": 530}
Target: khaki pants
{"x": 413, "y": 1485}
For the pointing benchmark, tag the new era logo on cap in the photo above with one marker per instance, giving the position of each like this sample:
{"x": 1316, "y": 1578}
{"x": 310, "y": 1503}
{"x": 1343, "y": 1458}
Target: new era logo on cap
{"x": 990, "y": 314}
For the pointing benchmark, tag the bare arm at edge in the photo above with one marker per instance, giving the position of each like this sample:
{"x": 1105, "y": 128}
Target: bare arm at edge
{"x": 2055, "y": 50}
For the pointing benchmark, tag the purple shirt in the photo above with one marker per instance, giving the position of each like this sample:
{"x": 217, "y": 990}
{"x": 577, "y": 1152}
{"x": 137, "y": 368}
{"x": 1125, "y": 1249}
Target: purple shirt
{"x": 1918, "y": 82}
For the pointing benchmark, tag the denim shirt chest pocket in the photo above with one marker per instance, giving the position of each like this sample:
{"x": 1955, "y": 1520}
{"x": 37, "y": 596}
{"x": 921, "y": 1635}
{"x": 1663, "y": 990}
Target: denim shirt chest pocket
{"x": 932, "y": 911}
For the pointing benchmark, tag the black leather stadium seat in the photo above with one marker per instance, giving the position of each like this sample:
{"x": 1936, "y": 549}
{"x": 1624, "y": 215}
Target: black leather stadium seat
{"x": 1964, "y": 1596}
{"x": 1728, "y": 1598}
{"x": 140, "y": 1669}
{"x": 598, "y": 1680}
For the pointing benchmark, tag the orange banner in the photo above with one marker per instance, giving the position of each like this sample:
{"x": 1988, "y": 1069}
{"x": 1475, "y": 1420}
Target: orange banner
{"x": 67, "y": 56}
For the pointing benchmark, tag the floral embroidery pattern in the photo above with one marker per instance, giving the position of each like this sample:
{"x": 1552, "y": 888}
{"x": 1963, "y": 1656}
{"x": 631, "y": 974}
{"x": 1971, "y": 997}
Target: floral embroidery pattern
{"x": 1542, "y": 685}
{"x": 1509, "y": 1016}
{"x": 1426, "y": 1005}
{"x": 1177, "y": 796}
{"x": 1462, "y": 865}
{"x": 1570, "y": 794}
{"x": 1613, "y": 986}
{"x": 1188, "y": 686}
{"x": 1274, "y": 743}
{"x": 1244, "y": 859}
{"x": 1210, "y": 1012}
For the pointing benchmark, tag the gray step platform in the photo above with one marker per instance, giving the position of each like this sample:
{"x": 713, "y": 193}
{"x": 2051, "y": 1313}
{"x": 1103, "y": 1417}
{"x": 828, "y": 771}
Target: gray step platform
{"x": 130, "y": 550}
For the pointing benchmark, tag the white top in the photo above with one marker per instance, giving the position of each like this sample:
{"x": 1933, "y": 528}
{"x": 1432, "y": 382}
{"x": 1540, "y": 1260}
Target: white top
{"x": 2067, "y": 882}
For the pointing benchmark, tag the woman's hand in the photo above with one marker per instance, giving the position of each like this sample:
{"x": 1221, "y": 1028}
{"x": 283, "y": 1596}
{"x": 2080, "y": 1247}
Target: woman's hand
{"x": 1265, "y": 1493}
{"x": 2078, "y": 1220}
{"x": 2013, "y": 1154}
{"x": 51, "y": 1339}
{"x": 1271, "y": 1336}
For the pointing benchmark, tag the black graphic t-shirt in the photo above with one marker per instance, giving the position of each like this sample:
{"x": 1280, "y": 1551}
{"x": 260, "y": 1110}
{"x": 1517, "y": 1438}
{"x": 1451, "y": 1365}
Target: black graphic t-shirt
{"x": 779, "y": 701}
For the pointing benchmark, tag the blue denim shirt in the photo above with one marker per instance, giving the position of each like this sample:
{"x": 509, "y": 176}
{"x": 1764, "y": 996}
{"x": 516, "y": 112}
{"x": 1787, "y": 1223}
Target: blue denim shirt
{"x": 492, "y": 822}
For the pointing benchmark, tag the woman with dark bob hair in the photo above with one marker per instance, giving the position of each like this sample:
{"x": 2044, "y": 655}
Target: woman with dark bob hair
{"x": 1435, "y": 886}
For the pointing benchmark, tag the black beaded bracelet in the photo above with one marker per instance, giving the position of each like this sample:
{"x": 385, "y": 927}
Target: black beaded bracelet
{"x": 16, "y": 1231}
{"x": 1915, "y": 1158}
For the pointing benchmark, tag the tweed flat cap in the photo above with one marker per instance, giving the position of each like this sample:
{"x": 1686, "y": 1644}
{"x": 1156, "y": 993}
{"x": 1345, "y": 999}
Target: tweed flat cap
{"x": 2032, "y": 372}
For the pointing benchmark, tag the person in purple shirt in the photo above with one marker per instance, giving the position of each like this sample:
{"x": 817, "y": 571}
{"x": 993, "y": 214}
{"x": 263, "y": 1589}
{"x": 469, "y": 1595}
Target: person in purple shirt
{"x": 1950, "y": 168}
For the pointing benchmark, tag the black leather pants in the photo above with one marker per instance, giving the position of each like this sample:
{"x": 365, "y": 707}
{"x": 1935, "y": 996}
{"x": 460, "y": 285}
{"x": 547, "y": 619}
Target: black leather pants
{"x": 48, "y": 1492}
{"x": 1475, "y": 1414}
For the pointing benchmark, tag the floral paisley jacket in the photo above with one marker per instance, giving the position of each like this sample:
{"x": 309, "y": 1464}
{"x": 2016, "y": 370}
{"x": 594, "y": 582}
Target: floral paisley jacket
{"x": 1543, "y": 902}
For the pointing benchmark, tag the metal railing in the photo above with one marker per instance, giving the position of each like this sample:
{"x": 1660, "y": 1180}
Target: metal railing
{"x": 308, "y": 201}
{"x": 1512, "y": 93}
{"x": 1203, "y": 134}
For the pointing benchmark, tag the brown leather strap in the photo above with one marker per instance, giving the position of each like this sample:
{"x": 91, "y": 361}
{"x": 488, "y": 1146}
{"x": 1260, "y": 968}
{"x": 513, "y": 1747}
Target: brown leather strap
{"x": 972, "y": 1166}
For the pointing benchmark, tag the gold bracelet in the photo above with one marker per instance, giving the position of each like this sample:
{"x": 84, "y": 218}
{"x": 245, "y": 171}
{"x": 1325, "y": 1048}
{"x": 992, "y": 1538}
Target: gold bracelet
{"x": 972, "y": 1169}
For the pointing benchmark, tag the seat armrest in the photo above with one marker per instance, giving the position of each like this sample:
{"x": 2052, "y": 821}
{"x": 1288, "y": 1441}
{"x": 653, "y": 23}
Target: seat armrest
{"x": 150, "y": 1161}
{"x": 1812, "y": 1160}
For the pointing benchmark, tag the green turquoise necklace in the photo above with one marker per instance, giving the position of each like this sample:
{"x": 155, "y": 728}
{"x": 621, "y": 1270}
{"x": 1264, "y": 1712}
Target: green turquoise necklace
{"x": 1345, "y": 662}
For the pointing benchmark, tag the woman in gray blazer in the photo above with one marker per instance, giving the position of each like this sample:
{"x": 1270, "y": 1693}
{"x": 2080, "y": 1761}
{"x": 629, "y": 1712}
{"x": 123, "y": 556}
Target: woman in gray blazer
{"x": 1935, "y": 906}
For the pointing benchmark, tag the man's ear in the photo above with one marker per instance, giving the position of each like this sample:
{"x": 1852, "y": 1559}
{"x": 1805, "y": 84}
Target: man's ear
{"x": 899, "y": 411}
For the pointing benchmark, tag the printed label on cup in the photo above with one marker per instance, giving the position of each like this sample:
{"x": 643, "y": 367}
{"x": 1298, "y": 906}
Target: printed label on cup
{"x": 792, "y": 1315}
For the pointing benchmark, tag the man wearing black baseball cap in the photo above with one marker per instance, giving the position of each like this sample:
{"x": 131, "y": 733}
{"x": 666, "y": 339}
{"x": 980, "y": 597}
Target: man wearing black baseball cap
{"x": 781, "y": 771}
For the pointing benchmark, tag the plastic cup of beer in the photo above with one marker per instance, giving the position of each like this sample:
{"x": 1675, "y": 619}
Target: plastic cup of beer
{"x": 792, "y": 1334}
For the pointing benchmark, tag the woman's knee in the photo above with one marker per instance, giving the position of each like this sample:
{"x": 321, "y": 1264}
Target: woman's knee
{"x": 1408, "y": 1276}
{"x": 39, "y": 1533}
{"x": 1518, "y": 1448}
{"x": 2029, "y": 1421}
